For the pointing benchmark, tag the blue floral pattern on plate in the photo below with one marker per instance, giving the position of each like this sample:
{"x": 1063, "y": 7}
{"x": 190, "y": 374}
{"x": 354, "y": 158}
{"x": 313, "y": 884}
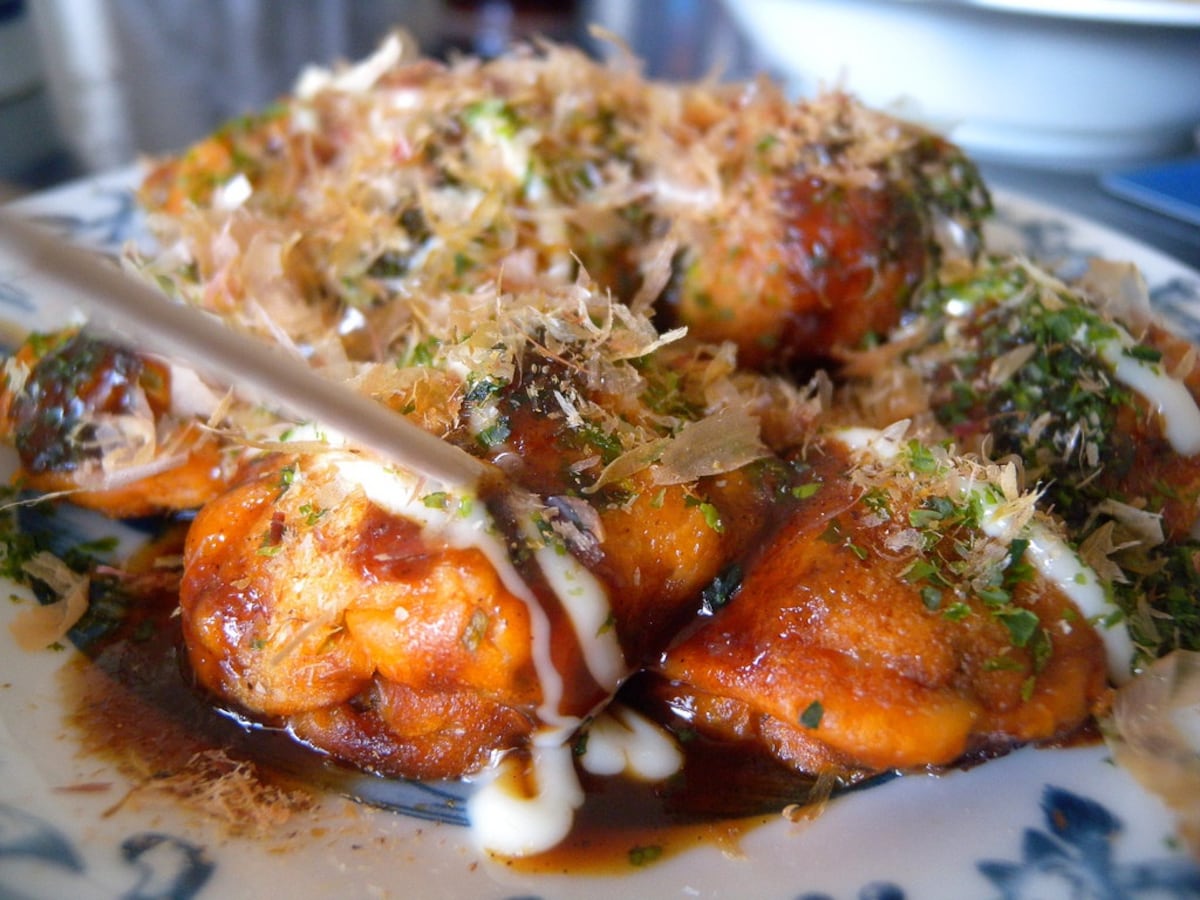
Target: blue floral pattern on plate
{"x": 1074, "y": 853}
{"x": 159, "y": 866}
{"x": 1071, "y": 843}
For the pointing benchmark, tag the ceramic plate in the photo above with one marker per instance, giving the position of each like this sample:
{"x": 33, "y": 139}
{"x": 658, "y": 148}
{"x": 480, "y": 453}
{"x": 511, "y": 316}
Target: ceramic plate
{"x": 1037, "y": 823}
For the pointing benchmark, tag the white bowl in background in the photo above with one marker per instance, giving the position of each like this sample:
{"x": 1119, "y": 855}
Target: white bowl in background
{"x": 1069, "y": 83}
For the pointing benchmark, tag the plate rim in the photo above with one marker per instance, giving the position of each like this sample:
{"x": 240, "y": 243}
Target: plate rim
{"x": 1012, "y": 203}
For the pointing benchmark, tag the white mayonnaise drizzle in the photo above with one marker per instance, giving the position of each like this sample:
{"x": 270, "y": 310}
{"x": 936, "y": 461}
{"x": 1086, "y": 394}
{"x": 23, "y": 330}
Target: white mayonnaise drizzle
{"x": 1050, "y": 554}
{"x": 586, "y": 602}
{"x": 1061, "y": 566}
{"x": 510, "y": 816}
{"x": 621, "y": 741}
{"x": 507, "y": 819}
{"x": 1169, "y": 396}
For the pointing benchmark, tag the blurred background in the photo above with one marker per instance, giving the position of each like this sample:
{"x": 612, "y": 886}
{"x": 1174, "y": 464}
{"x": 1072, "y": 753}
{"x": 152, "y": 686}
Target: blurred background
{"x": 1053, "y": 97}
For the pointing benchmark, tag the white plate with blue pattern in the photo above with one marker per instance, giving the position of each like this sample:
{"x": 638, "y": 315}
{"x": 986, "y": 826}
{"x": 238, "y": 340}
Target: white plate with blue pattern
{"x": 1054, "y": 823}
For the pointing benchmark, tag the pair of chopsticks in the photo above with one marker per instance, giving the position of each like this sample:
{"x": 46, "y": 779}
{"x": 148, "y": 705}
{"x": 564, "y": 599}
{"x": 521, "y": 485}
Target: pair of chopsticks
{"x": 140, "y": 316}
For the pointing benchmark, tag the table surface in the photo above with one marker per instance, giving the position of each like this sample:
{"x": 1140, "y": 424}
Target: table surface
{"x": 170, "y": 71}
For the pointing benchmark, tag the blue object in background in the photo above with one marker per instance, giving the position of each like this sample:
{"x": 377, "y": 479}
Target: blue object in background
{"x": 1172, "y": 188}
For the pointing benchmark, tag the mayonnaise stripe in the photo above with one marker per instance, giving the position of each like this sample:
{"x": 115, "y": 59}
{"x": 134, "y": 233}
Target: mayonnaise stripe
{"x": 622, "y": 741}
{"x": 505, "y": 819}
{"x": 401, "y": 493}
{"x": 585, "y": 601}
{"x": 1169, "y": 396}
{"x": 1060, "y": 565}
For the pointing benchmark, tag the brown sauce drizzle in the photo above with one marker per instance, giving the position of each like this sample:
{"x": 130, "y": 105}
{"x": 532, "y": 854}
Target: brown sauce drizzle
{"x": 130, "y": 696}
{"x": 134, "y": 704}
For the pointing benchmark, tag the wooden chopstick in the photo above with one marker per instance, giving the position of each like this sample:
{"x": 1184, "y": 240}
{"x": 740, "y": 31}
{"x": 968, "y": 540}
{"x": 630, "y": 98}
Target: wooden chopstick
{"x": 136, "y": 313}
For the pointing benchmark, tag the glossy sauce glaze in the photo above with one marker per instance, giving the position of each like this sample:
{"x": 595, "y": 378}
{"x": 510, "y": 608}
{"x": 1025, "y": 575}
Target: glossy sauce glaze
{"x": 135, "y": 703}
{"x": 137, "y": 700}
